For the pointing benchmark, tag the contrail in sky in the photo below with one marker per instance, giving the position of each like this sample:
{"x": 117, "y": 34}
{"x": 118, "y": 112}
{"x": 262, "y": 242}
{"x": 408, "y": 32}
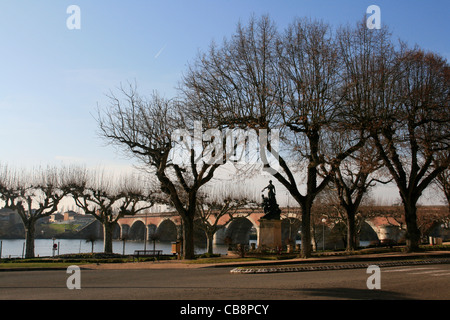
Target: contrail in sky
{"x": 160, "y": 51}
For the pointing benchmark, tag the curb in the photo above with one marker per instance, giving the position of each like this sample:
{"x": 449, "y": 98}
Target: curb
{"x": 250, "y": 270}
{"x": 31, "y": 269}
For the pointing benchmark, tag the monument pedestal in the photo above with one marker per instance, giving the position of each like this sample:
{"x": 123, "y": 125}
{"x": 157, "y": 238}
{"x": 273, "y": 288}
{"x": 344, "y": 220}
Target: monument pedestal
{"x": 269, "y": 234}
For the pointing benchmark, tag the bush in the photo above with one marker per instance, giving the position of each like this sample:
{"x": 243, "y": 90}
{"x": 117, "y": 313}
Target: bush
{"x": 208, "y": 255}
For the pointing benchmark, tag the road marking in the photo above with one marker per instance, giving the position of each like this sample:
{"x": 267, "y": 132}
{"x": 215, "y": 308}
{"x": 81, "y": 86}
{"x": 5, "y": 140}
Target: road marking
{"x": 426, "y": 272}
{"x": 441, "y": 274}
{"x": 407, "y": 269}
{"x": 432, "y": 271}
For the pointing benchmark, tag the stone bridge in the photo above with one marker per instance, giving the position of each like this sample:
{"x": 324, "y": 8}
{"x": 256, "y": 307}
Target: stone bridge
{"x": 167, "y": 225}
{"x": 245, "y": 227}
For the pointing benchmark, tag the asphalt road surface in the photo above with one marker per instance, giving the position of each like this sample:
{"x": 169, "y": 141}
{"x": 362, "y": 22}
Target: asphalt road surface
{"x": 421, "y": 282}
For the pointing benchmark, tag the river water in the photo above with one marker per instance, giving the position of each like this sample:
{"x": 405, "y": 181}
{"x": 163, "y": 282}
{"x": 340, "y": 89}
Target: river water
{"x": 43, "y": 247}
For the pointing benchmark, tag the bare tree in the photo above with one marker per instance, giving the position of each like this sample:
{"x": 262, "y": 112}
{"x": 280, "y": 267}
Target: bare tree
{"x": 428, "y": 218}
{"x": 414, "y": 129}
{"x": 405, "y": 95}
{"x": 362, "y": 53}
{"x": 146, "y": 129}
{"x": 219, "y": 207}
{"x": 352, "y": 180}
{"x": 262, "y": 80}
{"x": 33, "y": 195}
{"x": 313, "y": 110}
{"x": 443, "y": 184}
{"x": 108, "y": 198}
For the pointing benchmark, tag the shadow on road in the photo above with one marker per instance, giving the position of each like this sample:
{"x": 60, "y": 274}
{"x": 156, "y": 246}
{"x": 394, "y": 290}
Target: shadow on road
{"x": 359, "y": 294}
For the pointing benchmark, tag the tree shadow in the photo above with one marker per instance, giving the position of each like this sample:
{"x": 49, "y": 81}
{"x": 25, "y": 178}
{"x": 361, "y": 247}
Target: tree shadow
{"x": 358, "y": 294}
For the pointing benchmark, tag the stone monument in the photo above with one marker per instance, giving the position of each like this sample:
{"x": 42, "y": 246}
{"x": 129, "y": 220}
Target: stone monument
{"x": 270, "y": 223}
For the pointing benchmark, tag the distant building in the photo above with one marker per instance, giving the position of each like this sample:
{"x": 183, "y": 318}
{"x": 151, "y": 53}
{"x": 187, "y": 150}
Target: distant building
{"x": 70, "y": 215}
{"x": 9, "y": 216}
{"x": 56, "y": 217}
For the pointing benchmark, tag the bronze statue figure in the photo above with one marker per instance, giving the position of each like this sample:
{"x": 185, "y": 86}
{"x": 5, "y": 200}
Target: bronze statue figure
{"x": 271, "y": 189}
{"x": 271, "y": 208}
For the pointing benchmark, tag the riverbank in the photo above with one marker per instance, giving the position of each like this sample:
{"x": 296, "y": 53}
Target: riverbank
{"x": 15, "y": 248}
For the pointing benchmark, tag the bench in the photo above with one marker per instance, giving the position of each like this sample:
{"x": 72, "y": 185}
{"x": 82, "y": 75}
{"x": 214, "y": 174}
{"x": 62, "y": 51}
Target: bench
{"x": 147, "y": 253}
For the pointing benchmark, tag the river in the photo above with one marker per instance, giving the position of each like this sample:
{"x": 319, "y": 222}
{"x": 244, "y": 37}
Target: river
{"x": 13, "y": 248}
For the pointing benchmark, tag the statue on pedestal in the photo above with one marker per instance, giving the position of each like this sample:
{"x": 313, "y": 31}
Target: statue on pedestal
{"x": 271, "y": 208}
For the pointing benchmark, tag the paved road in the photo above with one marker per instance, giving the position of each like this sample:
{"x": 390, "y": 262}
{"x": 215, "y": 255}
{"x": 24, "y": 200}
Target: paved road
{"x": 407, "y": 282}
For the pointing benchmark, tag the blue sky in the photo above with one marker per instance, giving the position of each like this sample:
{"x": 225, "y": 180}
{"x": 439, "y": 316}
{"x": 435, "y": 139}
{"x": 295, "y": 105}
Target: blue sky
{"x": 51, "y": 78}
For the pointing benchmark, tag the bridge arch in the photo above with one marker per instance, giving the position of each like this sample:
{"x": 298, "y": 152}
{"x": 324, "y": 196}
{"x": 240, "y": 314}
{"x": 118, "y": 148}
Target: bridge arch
{"x": 151, "y": 229}
{"x": 137, "y": 230}
{"x": 200, "y": 238}
{"x": 368, "y": 232}
{"x": 167, "y": 230}
{"x": 117, "y": 231}
{"x": 124, "y": 230}
{"x": 240, "y": 230}
{"x": 290, "y": 230}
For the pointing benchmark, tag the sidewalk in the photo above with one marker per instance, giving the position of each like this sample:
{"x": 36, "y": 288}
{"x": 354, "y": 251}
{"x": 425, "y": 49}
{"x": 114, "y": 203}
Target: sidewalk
{"x": 331, "y": 262}
{"x": 311, "y": 264}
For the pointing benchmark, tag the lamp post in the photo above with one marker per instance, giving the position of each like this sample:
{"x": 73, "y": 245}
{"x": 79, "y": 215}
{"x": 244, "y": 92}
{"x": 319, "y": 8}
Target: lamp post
{"x": 53, "y": 246}
{"x": 145, "y": 232}
{"x": 323, "y": 233}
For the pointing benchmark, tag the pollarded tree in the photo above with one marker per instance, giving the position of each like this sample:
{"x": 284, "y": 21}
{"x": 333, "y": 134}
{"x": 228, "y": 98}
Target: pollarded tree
{"x": 33, "y": 195}
{"x": 108, "y": 197}
{"x": 220, "y": 204}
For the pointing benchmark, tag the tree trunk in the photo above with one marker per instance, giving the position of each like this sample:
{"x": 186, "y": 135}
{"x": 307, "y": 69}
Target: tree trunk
{"x": 306, "y": 231}
{"x": 412, "y": 230}
{"x": 107, "y": 237}
{"x": 313, "y": 238}
{"x": 188, "y": 237}
{"x": 29, "y": 239}
{"x": 447, "y": 195}
{"x": 311, "y": 192}
{"x": 351, "y": 232}
{"x": 209, "y": 242}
